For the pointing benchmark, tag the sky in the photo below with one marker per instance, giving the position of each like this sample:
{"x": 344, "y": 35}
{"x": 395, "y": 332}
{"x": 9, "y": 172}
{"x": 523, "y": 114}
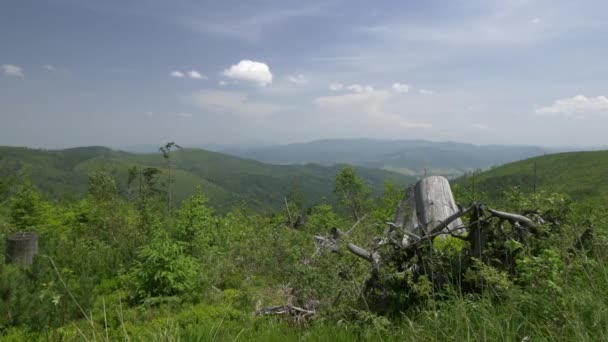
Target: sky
{"x": 124, "y": 73}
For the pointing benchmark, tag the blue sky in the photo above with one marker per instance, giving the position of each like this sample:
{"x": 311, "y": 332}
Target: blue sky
{"x": 84, "y": 72}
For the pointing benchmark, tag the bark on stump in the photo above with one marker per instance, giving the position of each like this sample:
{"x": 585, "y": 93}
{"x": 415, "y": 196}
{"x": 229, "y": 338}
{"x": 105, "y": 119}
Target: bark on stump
{"x": 21, "y": 248}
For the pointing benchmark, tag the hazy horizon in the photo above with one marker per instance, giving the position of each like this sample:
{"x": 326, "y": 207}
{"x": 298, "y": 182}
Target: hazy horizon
{"x": 258, "y": 144}
{"x": 516, "y": 72}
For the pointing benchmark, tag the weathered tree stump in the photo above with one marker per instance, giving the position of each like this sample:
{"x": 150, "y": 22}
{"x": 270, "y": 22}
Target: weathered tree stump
{"x": 427, "y": 203}
{"x": 431, "y": 202}
{"x": 21, "y": 248}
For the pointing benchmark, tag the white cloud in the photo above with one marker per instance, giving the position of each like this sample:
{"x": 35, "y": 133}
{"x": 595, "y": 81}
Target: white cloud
{"x": 401, "y": 88}
{"x": 369, "y": 107}
{"x": 535, "y": 21}
{"x": 336, "y": 86}
{"x": 350, "y": 99}
{"x": 579, "y": 106}
{"x": 183, "y": 115}
{"x": 250, "y": 71}
{"x": 480, "y": 126}
{"x": 231, "y": 102}
{"x": 177, "y": 74}
{"x": 221, "y": 83}
{"x": 425, "y": 92}
{"x": 196, "y": 75}
{"x": 12, "y": 70}
{"x": 297, "y": 79}
{"x": 50, "y": 67}
{"x": 360, "y": 89}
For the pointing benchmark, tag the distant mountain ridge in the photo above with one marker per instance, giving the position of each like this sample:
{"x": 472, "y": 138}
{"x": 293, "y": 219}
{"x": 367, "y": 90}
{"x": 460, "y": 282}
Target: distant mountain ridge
{"x": 411, "y": 157}
{"x": 228, "y": 181}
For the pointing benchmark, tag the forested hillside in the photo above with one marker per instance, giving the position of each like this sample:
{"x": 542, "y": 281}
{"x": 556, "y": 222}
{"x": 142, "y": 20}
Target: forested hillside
{"x": 115, "y": 266}
{"x": 581, "y": 175}
{"x": 228, "y": 181}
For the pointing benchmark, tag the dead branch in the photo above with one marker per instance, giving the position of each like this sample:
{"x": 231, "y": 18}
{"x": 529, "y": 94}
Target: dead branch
{"x": 356, "y": 223}
{"x": 445, "y": 223}
{"x": 513, "y": 217}
{"x": 372, "y": 257}
{"x": 288, "y": 310}
{"x": 288, "y": 212}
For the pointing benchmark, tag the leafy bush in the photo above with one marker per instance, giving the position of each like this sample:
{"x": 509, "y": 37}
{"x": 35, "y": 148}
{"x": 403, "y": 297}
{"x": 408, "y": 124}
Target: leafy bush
{"x": 162, "y": 269}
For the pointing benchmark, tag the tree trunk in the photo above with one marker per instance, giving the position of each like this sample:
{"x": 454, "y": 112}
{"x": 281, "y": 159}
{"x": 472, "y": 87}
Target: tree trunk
{"x": 21, "y": 248}
{"x": 430, "y": 201}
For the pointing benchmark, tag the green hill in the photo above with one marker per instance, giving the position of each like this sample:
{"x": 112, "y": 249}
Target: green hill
{"x": 582, "y": 175}
{"x": 226, "y": 180}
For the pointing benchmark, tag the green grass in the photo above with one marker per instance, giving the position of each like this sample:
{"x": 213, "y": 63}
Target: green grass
{"x": 227, "y": 181}
{"x": 581, "y": 175}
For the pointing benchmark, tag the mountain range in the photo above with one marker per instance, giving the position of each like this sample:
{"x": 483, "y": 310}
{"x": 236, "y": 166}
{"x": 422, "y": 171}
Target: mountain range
{"x": 410, "y": 157}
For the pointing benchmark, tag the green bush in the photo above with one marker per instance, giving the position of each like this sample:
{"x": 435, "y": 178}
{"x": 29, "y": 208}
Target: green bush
{"x": 162, "y": 269}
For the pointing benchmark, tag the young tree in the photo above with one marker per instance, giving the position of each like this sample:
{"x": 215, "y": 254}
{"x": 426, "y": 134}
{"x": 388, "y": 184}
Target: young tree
{"x": 102, "y": 186}
{"x": 193, "y": 223}
{"x": 352, "y": 192}
{"x": 27, "y": 207}
{"x": 166, "y": 151}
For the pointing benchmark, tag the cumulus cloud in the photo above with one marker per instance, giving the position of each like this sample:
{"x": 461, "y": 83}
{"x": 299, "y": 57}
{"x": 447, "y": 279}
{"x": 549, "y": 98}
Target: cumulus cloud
{"x": 250, "y": 71}
{"x": 50, "y": 67}
{"x": 193, "y": 74}
{"x": 425, "y": 92}
{"x": 365, "y": 106}
{"x": 480, "y": 126}
{"x": 401, "y": 88}
{"x": 350, "y": 99}
{"x": 12, "y": 70}
{"x": 196, "y": 75}
{"x": 234, "y": 103}
{"x": 360, "y": 89}
{"x": 336, "y": 86}
{"x": 297, "y": 79}
{"x": 535, "y": 21}
{"x": 579, "y": 106}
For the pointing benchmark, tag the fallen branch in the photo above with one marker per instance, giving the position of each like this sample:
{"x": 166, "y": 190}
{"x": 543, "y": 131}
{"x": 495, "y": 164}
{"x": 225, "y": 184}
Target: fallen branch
{"x": 443, "y": 224}
{"x": 356, "y": 223}
{"x": 288, "y": 310}
{"x": 513, "y": 218}
{"x": 372, "y": 257}
{"x": 326, "y": 243}
{"x": 288, "y": 212}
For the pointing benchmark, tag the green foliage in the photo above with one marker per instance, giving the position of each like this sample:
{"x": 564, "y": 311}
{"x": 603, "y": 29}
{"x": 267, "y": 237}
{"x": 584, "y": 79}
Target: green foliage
{"x": 139, "y": 274}
{"x": 102, "y": 186}
{"x": 580, "y": 175}
{"x": 229, "y": 182}
{"x": 449, "y": 245}
{"x": 195, "y": 226}
{"x": 384, "y": 208}
{"x": 322, "y": 218}
{"x": 161, "y": 269}
{"x": 27, "y": 207}
{"x": 352, "y": 191}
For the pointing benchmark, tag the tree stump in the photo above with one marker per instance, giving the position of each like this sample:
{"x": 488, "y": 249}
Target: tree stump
{"x": 426, "y": 204}
{"x": 21, "y": 248}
